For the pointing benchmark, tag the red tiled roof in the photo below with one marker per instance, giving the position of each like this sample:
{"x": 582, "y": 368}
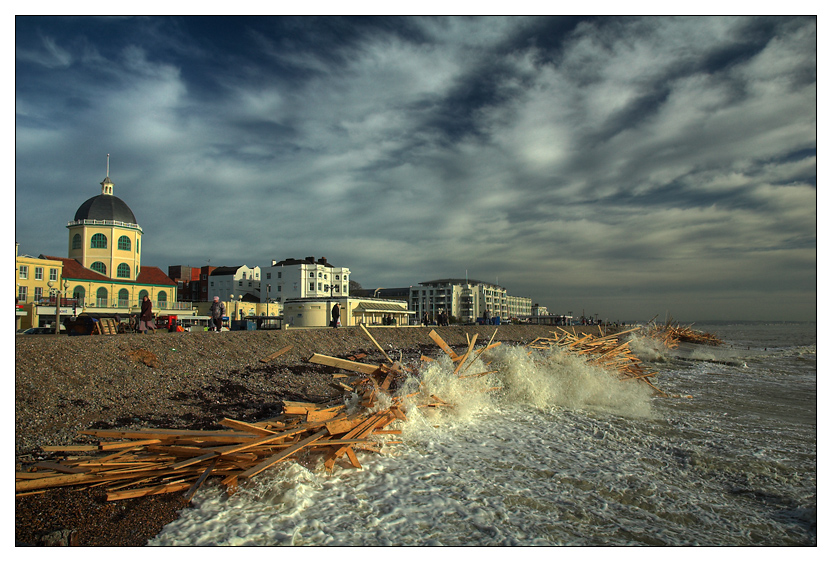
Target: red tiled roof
{"x": 154, "y": 276}
{"x": 74, "y": 270}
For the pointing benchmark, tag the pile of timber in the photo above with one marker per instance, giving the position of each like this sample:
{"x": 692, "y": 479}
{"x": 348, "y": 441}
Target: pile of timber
{"x": 670, "y": 334}
{"x": 130, "y": 463}
{"x": 607, "y": 352}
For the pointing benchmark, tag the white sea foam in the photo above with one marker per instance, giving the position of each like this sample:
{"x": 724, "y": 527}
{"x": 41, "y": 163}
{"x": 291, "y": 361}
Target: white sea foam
{"x": 562, "y": 454}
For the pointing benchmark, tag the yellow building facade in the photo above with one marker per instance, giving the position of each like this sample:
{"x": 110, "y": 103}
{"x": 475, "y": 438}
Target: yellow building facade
{"x": 102, "y": 273}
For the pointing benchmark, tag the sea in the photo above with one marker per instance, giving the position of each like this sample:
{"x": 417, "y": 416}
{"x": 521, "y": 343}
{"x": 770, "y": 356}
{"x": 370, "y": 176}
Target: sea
{"x": 549, "y": 451}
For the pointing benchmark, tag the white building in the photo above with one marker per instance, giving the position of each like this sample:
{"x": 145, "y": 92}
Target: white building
{"x": 303, "y": 279}
{"x": 239, "y": 281}
{"x": 466, "y": 300}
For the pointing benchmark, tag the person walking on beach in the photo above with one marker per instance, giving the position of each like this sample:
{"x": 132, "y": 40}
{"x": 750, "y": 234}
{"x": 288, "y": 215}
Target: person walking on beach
{"x": 217, "y": 311}
{"x": 336, "y": 315}
{"x": 146, "y": 319}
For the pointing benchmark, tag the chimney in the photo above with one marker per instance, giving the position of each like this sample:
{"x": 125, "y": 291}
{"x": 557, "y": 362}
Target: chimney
{"x": 323, "y": 261}
{"x": 310, "y": 259}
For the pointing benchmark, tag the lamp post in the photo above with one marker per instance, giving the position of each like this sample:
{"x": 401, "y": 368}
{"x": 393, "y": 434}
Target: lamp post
{"x": 268, "y": 293}
{"x": 57, "y": 293}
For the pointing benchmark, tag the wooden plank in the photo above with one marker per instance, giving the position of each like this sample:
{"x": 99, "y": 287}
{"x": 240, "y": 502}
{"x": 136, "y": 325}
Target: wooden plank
{"x": 321, "y": 415}
{"x": 263, "y": 440}
{"x": 163, "y": 434}
{"x": 282, "y": 455}
{"x": 343, "y": 364}
{"x": 69, "y": 448}
{"x": 112, "y": 446}
{"x": 193, "y": 460}
{"x": 467, "y": 353}
{"x": 277, "y": 354}
{"x": 437, "y": 339}
{"x": 369, "y": 335}
{"x": 243, "y": 426}
{"x": 343, "y": 425}
{"x": 190, "y": 493}
{"x": 151, "y": 491}
{"x": 58, "y": 467}
{"x": 353, "y": 458}
{"x": 341, "y": 386}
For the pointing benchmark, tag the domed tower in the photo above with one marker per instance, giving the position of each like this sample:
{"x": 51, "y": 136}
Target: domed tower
{"x": 104, "y": 236}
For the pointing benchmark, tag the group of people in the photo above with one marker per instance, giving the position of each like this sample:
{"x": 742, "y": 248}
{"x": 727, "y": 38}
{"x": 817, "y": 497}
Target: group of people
{"x": 442, "y": 319}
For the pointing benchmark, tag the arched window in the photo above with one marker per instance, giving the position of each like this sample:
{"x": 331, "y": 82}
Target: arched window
{"x": 76, "y": 242}
{"x": 98, "y": 241}
{"x": 78, "y": 293}
{"x": 162, "y": 298}
{"x": 142, "y": 295}
{"x": 124, "y": 243}
{"x": 99, "y": 267}
{"x": 123, "y": 270}
{"x": 123, "y": 298}
{"x": 101, "y": 297}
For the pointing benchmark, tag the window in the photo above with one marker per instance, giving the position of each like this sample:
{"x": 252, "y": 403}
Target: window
{"x": 101, "y": 297}
{"x": 345, "y": 289}
{"x": 142, "y": 295}
{"x": 124, "y": 298}
{"x": 319, "y": 286}
{"x": 21, "y": 294}
{"x": 244, "y": 275}
{"x": 249, "y": 283}
{"x": 99, "y": 267}
{"x": 124, "y": 243}
{"x": 98, "y": 241}
{"x": 76, "y": 242}
{"x": 268, "y": 275}
{"x": 279, "y": 288}
{"x": 38, "y": 293}
{"x": 279, "y": 274}
{"x": 38, "y": 274}
{"x": 337, "y": 288}
{"x": 312, "y": 286}
{"x": 79, "y": 293}
{"x": 239, "y": 283}
{"x": 311, "y": 274}
{"x": 162, "y": 298}
{"x": 123, "y": 270}
{"x": 53, "y": 274}
{"x": 320, "y": 275}
{"x": 24, "y": 272}
{"x": 337, "y": 277}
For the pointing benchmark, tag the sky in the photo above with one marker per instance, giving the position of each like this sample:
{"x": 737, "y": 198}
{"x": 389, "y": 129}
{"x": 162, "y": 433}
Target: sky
{"x": 627, "y": 167}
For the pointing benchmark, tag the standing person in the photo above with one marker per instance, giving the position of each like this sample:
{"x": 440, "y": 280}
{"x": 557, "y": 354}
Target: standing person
{"x": 336, "y": 315}
{"x": 217, "y": 312}
{"x": 146, "y": 319}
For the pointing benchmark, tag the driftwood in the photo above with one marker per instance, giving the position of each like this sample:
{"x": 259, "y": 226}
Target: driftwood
{"x": 131, "y": 463}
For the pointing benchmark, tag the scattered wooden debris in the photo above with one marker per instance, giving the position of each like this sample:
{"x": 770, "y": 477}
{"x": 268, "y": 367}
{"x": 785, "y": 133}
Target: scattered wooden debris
{"x": 276, "y": 354}
{"x": 607, "y": 352}
{"x": 132, "y": 463}
{"x": 671, "y": 334}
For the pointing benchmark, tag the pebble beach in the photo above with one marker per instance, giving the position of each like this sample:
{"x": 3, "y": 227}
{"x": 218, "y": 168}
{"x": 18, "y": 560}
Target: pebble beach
{"x": 64, "y": 385}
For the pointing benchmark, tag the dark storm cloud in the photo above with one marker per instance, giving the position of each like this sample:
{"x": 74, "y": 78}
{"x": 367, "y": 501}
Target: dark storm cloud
{"x": 644, "y": 164}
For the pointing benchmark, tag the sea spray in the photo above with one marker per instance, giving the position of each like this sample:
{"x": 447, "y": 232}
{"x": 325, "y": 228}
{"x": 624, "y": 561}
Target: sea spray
{"x": 576, "y": 468}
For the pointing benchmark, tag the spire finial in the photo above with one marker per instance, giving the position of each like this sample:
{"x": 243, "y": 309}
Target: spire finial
{"x": 107, "y": 185}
